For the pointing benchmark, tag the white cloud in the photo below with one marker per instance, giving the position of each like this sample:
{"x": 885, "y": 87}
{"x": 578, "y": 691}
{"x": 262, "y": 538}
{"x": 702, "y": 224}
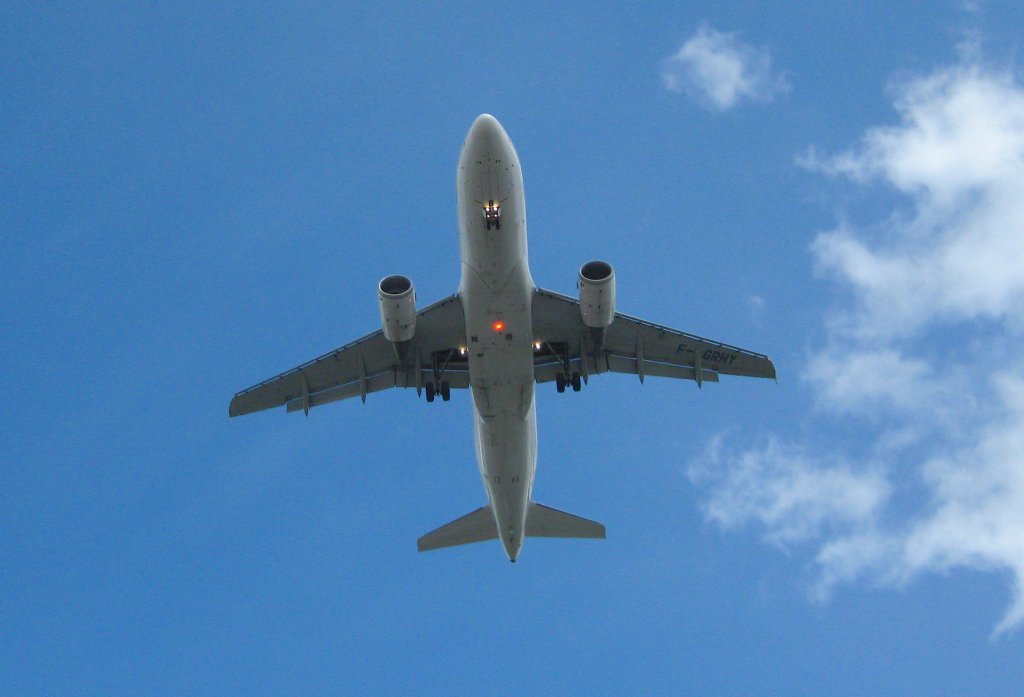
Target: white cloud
{"x": 865, "y": 380}
{"x": 780, "y": 488}
{"x": 928, "y": 336}
{"x": 974, "y": 518}
{"x": 719, "y": 71}
{"x": 977, "y": 520}
{"x": 958, "y": 154}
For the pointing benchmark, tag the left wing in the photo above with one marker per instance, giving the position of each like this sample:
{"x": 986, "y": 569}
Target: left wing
{"x": 630, "y": 345}
{"x": 370, "y": 364}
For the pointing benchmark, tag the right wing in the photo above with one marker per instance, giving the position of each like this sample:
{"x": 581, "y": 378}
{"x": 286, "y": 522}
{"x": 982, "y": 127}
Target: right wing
{"x": 370, "y": 364}
{"x": 630, "y": 345}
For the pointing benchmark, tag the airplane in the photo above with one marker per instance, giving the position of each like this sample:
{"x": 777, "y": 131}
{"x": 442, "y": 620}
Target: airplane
{"x": 498, "y": 337}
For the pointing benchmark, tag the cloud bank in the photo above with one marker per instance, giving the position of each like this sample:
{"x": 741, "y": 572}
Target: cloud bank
{"x": 923, "y": 351}
{"x": 719, "y": 71}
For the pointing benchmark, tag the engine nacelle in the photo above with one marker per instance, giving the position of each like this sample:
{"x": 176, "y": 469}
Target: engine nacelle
{"x": 597, "y": 293}
{"x": 397, "y": 300}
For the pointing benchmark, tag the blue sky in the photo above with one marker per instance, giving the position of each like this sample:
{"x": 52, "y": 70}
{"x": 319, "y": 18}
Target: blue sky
{"x": 196, "y": 198}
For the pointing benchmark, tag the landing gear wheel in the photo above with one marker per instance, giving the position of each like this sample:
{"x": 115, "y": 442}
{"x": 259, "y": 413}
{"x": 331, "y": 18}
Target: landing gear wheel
{"x": 446, "y": 391}
{"x": 576, "y": 382}
{"x": 560, "y": 383}
{"x": 497, "y": 224}
{"x": 430, "y": 391}
{"x": 488, "y": 224}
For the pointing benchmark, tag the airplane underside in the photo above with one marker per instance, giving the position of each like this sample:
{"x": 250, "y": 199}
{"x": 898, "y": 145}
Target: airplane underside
{"x": 499, "y": 336}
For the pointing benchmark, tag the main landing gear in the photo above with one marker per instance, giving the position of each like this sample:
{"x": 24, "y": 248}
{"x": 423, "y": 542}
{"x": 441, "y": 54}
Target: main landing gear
{"x": 561, "y": 382}
{"x": 444, "y": 389}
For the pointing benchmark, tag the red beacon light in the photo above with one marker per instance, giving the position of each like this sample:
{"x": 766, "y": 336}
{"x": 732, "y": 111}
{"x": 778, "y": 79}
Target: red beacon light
{"x": 498, "y": 326}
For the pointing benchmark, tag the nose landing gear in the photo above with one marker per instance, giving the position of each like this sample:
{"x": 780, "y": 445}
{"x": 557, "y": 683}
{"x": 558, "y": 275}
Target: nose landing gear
{"x": 492, "y": 213}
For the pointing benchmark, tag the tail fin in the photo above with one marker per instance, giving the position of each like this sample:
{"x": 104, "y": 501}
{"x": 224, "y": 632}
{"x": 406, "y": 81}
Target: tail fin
{"x": 472, "y": 527}
{"x": 544, "y": 521}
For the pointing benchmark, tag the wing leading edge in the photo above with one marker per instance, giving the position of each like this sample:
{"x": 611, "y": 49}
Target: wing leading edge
{"x": 630, "y": 345}
{"x": 370, "y": 364}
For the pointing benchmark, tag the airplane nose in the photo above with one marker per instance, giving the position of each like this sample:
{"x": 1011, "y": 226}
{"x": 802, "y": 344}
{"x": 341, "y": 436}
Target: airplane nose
{"x": 486, "y": 126}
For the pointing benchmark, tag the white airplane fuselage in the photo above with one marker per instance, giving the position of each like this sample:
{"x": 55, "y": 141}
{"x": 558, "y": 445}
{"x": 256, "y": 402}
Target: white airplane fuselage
{"x": 483, "y": 338}
{"x": 497, "y": 291}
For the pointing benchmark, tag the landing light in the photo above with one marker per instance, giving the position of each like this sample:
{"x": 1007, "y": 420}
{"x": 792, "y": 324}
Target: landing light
{"x": 536, "y": 346}
{"x": 462, "y": 350}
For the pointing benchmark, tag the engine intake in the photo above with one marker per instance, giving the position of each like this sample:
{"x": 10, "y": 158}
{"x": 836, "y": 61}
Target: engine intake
{"x": 397, "y": 299}
{"x": 597, "y": 293}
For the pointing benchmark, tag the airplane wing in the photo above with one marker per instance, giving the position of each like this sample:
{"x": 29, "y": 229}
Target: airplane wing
{"x": 630, "y": 345}
{"x": 371, "y": 364}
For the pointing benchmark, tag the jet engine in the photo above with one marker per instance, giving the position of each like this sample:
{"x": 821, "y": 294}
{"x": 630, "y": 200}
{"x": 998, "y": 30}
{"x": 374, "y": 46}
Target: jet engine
{"x": 597, "y": 294}
{"x": 397, "y": 308}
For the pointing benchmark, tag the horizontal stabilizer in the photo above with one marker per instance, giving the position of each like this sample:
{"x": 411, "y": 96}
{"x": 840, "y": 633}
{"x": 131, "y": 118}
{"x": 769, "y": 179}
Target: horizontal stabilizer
{"x": 544, "y": 521}
{"x": 473, "y": 527}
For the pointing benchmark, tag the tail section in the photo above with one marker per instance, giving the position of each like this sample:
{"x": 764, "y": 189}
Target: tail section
{"x": 544, "y": 521}
{"x": 478, "y": 526}
{"x": 473, "y": 527}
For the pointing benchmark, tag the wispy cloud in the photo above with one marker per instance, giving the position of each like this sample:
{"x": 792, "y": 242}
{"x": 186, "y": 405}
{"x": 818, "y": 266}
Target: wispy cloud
{"x": 756, "y": 306}
{"x": 787, "y": 490}
{"x": 928, "y": 335}
{"x": 957, "y": 155}
{"x": 719, "y": 71}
